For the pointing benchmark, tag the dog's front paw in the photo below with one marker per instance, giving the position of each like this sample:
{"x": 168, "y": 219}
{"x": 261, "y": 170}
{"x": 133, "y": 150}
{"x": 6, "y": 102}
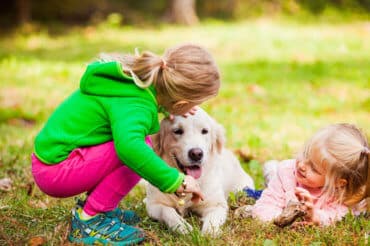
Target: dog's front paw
{"x": 183, "y": 227}
{"x": 213, "y": 220}
{"x": 211, "y": 230}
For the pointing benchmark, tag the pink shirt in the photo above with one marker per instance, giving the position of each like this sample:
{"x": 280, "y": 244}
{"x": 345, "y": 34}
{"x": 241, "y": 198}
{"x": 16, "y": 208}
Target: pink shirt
{"x": 280, "y": 191}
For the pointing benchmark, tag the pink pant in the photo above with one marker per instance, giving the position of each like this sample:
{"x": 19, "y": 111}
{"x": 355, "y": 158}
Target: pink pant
{"x": 96, "y": 170}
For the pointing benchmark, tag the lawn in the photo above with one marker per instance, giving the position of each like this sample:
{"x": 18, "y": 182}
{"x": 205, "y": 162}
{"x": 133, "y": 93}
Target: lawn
{"x": 281, "y": 81}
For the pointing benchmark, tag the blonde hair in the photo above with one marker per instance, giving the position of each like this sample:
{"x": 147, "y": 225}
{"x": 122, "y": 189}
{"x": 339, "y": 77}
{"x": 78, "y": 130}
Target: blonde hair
{"x": 345, "y": 155}
{"x": 185, "y": 72}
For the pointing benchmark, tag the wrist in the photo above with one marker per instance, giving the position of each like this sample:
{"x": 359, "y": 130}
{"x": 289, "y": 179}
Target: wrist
{"x": 182, "y": 188}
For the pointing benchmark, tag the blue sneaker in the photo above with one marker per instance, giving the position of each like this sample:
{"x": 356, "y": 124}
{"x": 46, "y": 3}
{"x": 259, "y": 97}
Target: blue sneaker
{"x": 102, "y": 229}
{"x": 126, "y": 216}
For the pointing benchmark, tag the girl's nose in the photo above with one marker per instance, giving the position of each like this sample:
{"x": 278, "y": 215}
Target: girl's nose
{"x": 301, "y": 166}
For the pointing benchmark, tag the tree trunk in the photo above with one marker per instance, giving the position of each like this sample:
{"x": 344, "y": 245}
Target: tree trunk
{"x": 23, "y": 11}
{"x": 183, "y": 12}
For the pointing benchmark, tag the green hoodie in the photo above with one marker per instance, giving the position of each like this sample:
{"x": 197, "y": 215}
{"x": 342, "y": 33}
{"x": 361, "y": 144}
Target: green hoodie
{"x": 108, "y": 106}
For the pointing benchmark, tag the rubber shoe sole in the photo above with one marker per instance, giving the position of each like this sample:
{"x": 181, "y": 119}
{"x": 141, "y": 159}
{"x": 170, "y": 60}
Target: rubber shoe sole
{"x": 101, "y": 241}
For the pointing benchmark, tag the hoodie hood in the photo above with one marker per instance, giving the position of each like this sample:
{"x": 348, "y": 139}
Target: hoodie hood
{"x": 108, "y": 80}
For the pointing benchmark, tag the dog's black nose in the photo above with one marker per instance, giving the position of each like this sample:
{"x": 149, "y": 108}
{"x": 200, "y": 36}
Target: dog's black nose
{"x": 195, "y": 154}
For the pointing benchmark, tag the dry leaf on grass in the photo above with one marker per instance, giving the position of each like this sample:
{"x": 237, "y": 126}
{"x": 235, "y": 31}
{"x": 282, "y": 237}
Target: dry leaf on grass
{"x": 4, "y": 207}
{"x": 38, "y": 204}
{"x": 153, "y": 238}
{"x": 29, "y": 187}
{"x": 6, "y": 184}
{"x": 21, "y": 122}
{"x": 36, "y": 241}
{"x": 245, "y": 154}
{"x": 62, "y": 229}
{"x": 256, "y": 90}
{"x": 245, "y": 211}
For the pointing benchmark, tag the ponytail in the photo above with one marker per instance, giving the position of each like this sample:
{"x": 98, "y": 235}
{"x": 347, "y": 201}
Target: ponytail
{"x": 185, "y": 72}
{"x": 143, "y": 68}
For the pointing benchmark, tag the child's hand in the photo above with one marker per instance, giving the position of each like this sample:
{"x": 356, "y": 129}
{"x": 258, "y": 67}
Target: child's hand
{"x": 300, "y": 224}
{"x": 305, "y": 197}
{"x": 192, "y": 186}
{"x": 191, "y": 112}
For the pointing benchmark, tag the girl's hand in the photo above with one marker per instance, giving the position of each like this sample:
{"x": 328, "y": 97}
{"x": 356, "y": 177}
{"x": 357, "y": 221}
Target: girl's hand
{"x": 192, "y": 111}
{"x": 192, "y": 186}
{"x": 300, "y": 224}
{"x": 305, "y": 197}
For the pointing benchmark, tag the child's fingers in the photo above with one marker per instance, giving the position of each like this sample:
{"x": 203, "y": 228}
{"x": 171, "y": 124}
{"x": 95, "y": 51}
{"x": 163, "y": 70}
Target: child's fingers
{"x": 194, "y": 188}
{"x": 193, "y": 110}
{"x": 302, "y": 194}
{"x": 299, "y": 196}
{"x": 197, "y": 197}
{"x": 301, "y": 190}
{"x": 299, "y": 224}
{"x": 307, "y": 205}
{"x": 305, "y": 198}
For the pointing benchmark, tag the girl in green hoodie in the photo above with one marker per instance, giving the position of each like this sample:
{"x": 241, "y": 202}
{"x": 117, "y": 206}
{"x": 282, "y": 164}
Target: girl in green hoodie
{"x": 95, "y": 141}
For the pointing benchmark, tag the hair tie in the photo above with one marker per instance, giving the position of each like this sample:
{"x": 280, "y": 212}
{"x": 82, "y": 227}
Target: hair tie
{"x": 164, "y": 63}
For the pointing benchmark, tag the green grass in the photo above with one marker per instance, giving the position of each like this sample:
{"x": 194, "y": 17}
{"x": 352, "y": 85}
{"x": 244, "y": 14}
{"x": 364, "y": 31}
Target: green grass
{"x": 282, "y": 81}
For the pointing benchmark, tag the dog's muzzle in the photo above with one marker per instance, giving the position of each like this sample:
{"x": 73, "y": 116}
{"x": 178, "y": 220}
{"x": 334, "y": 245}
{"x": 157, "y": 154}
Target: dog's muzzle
{"x": 194, "y": 169}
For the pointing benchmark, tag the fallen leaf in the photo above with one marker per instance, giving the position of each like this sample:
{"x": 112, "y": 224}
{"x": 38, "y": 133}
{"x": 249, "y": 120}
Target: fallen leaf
{"x": 38, "y": 204}
{"x": 6, "y": 184}
{"x": 256, "y": 90}
{"x": 29, "y": 187}
{"x": 36, "y": 241}
{"x": 245, "y": 154}
{"x": 21, "y": 122}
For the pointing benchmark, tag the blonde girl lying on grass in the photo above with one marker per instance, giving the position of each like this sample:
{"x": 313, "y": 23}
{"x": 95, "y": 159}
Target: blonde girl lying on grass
{"x": 328, "y": 178}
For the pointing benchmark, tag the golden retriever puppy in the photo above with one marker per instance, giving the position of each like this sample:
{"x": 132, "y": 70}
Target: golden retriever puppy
{"x": 195, "y": 145}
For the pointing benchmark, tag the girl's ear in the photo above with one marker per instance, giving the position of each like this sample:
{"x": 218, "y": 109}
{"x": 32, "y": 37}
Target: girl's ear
{"x": 180, "y": 106}
{"x": 341, "y": 183}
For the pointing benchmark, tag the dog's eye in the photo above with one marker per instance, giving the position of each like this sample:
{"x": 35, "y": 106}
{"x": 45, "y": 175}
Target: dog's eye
{"x": 204, "y": 131}
{"x": 178, "y": 131}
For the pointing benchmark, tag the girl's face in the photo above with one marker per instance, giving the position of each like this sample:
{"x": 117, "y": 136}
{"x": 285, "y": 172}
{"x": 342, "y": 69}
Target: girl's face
{"x": 310, "y": 172}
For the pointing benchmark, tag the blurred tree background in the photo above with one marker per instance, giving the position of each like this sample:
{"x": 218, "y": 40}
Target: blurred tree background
{"x": 143, "y": 12}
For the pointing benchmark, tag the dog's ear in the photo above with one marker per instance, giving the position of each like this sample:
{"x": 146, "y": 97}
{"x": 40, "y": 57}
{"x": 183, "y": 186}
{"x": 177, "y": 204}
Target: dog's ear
{"x": 218, "y": 137}
{"x": 159, "y": 138}
{"x": 156, "y": 141}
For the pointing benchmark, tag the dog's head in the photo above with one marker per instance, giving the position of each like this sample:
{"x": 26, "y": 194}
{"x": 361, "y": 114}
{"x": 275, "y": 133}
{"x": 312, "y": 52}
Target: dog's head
{"x": 188, "y": 143}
